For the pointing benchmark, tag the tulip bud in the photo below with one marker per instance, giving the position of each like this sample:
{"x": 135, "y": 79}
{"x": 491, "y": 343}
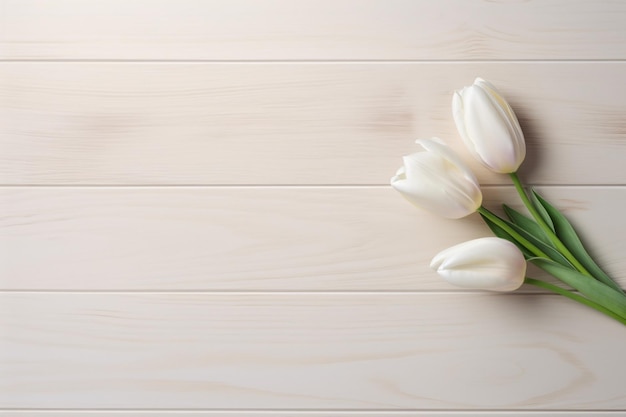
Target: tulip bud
{"x": 489, "y": 127}
{"x": 437, "y": 180}
{"x": 488, "y": 263}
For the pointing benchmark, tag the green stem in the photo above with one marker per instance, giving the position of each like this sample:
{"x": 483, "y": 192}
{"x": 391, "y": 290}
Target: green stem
{"x": 548, "y": 231}
{"x": 521, "y": 239}
{"x": 573, "y": 296}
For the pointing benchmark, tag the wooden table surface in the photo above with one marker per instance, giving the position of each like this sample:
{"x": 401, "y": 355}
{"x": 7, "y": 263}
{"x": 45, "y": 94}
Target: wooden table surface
{"x": 195, "y": 216}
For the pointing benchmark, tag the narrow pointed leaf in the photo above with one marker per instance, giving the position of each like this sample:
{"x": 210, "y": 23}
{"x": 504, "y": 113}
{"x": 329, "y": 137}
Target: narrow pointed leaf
{"x": 566, "y": 233}
{"x": 527, "y": 224}
{"x": 541, "y": 210}
{"x": 548, "y": 250}
{"x": 502, "y": 234}
{"x": 592, "y": 289}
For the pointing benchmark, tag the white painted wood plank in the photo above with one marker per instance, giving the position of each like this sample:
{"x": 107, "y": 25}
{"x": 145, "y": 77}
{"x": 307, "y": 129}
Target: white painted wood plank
{"x": 196, "y": 238}
{"x": 95, "y": 123}
{"x": 312, "y": 29}
{"x": 308, "y": 351}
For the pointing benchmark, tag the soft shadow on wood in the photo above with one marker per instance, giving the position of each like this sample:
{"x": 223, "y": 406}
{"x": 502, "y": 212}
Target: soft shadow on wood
{"x": 532, "y": 133}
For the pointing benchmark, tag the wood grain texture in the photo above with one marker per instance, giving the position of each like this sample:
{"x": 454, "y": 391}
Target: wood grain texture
{"x": 251, "y": 238}
{"x": 227, "y": 244}
{"x": 302, "y": 351}
{"x": 312, "y": 29}
{"x": 95, "y": 123}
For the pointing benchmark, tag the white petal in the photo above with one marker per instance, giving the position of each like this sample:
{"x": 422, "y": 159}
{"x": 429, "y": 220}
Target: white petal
{"x": 491, "y": 134}
{"x": 489, "y": 127}
{"x": 432, "y": 180}
{"x": 458, "y": 114}
{"x": 438, "y": 146}
{"x": 489, "y": 263}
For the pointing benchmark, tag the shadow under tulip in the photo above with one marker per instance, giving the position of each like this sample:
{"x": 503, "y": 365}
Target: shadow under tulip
{"x": 533, "y": 139}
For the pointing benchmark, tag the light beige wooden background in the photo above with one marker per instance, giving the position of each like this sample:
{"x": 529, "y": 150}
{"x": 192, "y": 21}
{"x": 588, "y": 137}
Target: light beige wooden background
{"x": 195, "y": 217}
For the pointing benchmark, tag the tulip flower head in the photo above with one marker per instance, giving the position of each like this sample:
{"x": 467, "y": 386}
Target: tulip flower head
{"x": 488, "y": 263}
{"x": 489, "y": 127}
{"x": 438, "y": 181}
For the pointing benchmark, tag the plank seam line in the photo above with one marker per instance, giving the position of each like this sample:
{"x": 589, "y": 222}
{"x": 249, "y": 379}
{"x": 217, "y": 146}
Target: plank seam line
{"x": 322, "y": 410}
{"x": 318, "y": 61}
{"x": 245, "y": 186}
{"x": 282, "y": 292}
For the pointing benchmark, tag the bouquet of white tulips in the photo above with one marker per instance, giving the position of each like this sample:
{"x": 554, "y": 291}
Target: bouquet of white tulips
{"x": 439, "y": 181}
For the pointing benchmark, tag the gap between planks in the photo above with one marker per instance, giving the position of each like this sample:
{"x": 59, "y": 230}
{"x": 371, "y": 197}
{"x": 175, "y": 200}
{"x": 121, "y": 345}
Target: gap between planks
{"x": 313, "y": 61}
{"x": 275, "y": 186}
{"x": 309, "y": 412}
{"x": 276, "y": 292}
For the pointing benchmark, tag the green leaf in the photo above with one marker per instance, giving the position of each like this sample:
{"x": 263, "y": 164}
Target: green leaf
{"x": 547, "y": 249}
{"x": 541, "y": 210}
{"x": 527, "y": 224}
{"x": 566, "y": 233}
{"x": 502, "y": 234}
{"x": 554, "y": 254}
{"x": 575, "y": 297}
{"x": 592, "y": 289}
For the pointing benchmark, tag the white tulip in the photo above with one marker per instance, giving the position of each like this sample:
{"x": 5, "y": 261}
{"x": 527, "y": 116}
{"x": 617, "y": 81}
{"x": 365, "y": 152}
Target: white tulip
{"x": 437, "y": 180}
{"x": 489, "y": 127}
{"x": 488, "y": 263}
